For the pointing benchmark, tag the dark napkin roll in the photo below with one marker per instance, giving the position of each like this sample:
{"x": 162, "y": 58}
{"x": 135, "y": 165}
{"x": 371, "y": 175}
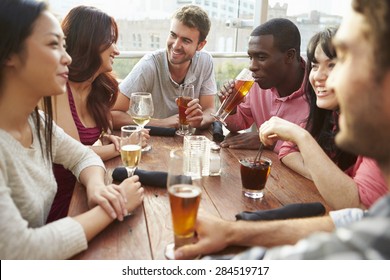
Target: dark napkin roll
{"x": 161, "y": 131}
{"x": 217, "y": 132}
{"x": 148, "y": 178}
{"x": 295, "y": 210}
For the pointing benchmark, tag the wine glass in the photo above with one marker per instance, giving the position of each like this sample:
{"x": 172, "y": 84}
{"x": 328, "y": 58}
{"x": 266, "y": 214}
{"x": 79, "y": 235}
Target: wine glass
{"x": 141, "y": 110}
{"x": 186, "y": 95}
{"x": 130, "y": 144}
{"x": 184, "y": 190}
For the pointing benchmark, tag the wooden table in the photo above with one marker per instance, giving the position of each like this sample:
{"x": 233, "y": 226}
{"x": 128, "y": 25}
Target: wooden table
{"x": 145, "y": 234}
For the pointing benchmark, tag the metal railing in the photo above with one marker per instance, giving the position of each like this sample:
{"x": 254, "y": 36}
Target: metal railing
{"x": 140, "y": 54}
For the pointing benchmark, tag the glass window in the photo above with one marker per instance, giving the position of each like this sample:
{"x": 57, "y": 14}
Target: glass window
{"x": 231, "y": 22}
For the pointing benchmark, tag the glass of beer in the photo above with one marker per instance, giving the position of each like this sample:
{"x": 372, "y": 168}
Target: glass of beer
{"x": 130, "y": 145}
{"x": 184, "y": 190}
{"x": 186, "y": 95}
{"x": 242, "y": 84}
{"x": 141, "y": 110}
{"x": 254, "y": 176}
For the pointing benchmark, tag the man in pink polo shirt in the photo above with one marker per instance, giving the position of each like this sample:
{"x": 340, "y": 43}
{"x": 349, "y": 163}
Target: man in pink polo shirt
{"x": 279, "y": 72}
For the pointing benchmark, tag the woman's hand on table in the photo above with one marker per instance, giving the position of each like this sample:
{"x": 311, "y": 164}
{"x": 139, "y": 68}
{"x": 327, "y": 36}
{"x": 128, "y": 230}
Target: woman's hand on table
{"x": 117, "y": 200}
{"x": 134, "y": 193}
{"x": 145, "y": 137}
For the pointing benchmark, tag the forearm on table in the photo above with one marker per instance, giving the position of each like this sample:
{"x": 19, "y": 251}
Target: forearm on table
{"x": 93, "y": 221}
{"x": 92, "y": 176}
{"x": 295, "y": 162}
{"x": 120, "y": 118}
{"x": 106, "y": 152}
{"x": 278, "y": 232}
{"x": 337, "y": 188}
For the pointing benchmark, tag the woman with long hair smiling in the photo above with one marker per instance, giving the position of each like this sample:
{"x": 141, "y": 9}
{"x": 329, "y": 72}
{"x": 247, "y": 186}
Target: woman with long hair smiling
{"x": 34, "y": 66}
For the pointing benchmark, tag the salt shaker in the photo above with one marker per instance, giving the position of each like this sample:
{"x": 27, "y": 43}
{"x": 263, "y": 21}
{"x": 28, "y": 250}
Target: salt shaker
{"x": 215, "y": 160}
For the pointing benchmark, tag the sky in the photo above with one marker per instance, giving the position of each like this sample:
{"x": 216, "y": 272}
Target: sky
{"x": 135, "y": 8}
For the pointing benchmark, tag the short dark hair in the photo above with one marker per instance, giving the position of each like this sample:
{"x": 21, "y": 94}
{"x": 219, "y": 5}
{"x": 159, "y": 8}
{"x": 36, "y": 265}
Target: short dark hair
{"x": 377, "y": 16}
{"x": 286, "y": 33}
{"x": 194, "y": 17}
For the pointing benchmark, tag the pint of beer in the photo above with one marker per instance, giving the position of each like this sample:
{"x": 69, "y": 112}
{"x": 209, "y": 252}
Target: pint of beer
{"x": 242, "y": 84}
{"x": 186, "y": 95}
{"x": 184, "y": 200}
{"x": 184, "y": 192}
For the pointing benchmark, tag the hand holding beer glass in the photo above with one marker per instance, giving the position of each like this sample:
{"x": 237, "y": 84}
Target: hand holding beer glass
{"x": 242, "y": 84}
{"x": 130, "y": 144}
{"x": 184, "y": 190}
{"x": 186, "y": 95}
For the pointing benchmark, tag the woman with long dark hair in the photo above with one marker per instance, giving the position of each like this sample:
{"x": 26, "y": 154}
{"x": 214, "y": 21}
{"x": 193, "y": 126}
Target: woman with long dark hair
{"x": 84, "y": 112}
{"x": 343, "y": 179}
{"x": 34, "y": 66}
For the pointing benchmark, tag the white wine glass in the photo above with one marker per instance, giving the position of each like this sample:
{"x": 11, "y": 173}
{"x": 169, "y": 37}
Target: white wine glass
{"x": 141, "y": 110}
{"x": 184, "y": 190}
{"x": 130, "y": 144}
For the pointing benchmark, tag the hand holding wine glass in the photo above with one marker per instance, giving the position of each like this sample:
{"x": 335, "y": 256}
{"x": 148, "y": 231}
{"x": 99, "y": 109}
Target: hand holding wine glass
{"x": 141, "y": 110}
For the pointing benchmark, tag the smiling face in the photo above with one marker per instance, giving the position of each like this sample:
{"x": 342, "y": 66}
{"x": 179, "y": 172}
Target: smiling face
{"x": 182, "y": 43}
{"x": 107, "y": 57}
{"x": 266, "y": 61}
{"x": 320, "y": 70}
{"x": 42, "y": 66}
{"x": 364, "y": 102}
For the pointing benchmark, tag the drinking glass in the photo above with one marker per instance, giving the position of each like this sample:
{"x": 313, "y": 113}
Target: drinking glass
{"x": 254, "y": 175}
{"x": 141, "y": 110}
{"x": 186, "y": 95}
{"x": 242, "y": 84}
{"x": 130, "y": 144}
{"x": 184, "y": 190}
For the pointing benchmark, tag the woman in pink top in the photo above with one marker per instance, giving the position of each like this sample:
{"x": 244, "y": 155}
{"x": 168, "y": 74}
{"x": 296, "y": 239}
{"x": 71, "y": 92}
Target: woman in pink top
{"x": 92, "y": 90}
{"x": 341, "y": 178}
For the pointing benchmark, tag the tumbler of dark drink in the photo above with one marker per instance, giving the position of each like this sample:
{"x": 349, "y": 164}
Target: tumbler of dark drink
{"x": 186, "y": 95}
{"x": 254, "y": 176}
{"x": 242, "y": 84}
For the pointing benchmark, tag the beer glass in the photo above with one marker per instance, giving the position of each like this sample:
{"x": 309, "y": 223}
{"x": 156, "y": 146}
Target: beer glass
{"x": 130, "y": 146}
{"x": 242, "y": 84}
{"x": 141, "y": 110}
{"x": 186, "y": 95}
{"x": 254, "y": 176}
{"x": 184, "y": 190}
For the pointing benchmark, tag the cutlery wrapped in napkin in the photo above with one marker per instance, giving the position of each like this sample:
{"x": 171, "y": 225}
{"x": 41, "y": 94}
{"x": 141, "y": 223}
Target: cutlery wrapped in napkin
{"x": 148, "y": 178}
{"x": 289, "y": 211}
{"x": 161, "y": 131}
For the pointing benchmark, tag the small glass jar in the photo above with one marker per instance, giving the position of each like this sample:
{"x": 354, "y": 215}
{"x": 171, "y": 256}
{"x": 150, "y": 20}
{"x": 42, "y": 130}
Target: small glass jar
{"x": 215, "y": 160}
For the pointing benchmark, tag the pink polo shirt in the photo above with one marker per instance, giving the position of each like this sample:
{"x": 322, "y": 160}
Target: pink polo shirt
{"x": 261, "y": 104}
{"x": 369, "y": 180}
{"x": 365, "y": 172}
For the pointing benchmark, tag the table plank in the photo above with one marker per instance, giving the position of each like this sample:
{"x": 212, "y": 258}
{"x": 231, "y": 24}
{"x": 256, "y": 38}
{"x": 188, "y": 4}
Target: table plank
{"x": 145, "y": 234}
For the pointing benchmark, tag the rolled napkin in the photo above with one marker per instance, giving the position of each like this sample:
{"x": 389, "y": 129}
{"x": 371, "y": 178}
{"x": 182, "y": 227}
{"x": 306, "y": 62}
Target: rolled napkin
{"x": 149, "y": 178}
{"x": 217, "y": 132}
{"x": 295, "y": 210}
{"x": 161, "y": 131}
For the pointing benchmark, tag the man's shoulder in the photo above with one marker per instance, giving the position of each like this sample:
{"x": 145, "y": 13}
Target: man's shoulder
{"x": 203, "y": 56}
